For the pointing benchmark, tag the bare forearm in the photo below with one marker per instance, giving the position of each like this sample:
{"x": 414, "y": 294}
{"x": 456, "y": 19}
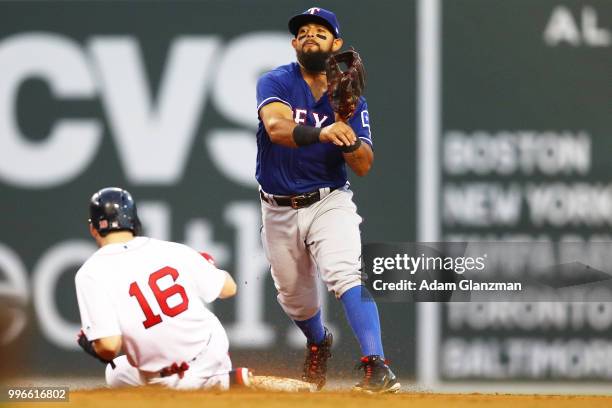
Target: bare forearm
{"x": 280, "y": 131}
{"x": 108, "y": 347}
{"x": 278, "y": 120}
{"x": 229, "y": 287}
{"x": 360, "y": 160}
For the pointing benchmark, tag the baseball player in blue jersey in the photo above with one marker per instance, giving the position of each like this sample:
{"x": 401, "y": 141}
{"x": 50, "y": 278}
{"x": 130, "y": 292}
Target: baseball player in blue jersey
{"x": 310, "y": 222}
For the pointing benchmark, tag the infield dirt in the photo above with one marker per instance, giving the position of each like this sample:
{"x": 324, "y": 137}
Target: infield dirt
{"x": 148, "y": 397}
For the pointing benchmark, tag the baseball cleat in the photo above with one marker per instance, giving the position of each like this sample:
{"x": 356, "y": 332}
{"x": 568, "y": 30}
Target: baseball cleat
{"x": 378, "y": 377}
{"x": 315, "y": 363}
{"x": 241, "y": 377}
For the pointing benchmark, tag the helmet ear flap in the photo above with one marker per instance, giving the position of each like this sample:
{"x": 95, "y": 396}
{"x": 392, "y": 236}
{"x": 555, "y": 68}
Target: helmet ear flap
{"x": 137, "y": 230}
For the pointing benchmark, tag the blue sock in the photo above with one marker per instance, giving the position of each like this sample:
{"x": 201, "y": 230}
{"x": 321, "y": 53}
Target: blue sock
{"x": 312, "y": 328}
{"x": 362, "y": 315}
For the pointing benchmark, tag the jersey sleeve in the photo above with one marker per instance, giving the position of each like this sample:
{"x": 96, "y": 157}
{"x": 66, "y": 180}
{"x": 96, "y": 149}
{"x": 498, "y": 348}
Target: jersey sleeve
{"x": 208, "y": 279}
{"x": 270, "y": 88}
{"x": 360, "y": 122}
{"x": 98, "y": 316}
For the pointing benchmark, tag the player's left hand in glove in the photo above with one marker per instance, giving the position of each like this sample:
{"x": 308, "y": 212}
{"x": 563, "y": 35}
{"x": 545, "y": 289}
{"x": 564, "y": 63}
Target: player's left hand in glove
{"x": 345, "y": 86}
{"x": 89, "y": 349}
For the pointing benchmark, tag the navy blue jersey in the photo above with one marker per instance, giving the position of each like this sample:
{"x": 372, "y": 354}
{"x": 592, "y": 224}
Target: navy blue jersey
{"x": 284, "y": 170}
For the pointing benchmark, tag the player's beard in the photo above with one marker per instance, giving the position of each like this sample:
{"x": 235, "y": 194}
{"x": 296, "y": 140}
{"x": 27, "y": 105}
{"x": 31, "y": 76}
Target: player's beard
{"x": 313, "y": 61}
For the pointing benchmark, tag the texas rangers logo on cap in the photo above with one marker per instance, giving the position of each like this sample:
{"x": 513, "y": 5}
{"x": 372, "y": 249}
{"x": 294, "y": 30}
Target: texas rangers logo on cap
{"x": 315, "y": 15}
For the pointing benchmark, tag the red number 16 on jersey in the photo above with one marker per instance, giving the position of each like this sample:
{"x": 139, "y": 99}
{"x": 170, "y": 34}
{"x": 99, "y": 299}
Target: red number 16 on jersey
{"x": 161, "y": 296}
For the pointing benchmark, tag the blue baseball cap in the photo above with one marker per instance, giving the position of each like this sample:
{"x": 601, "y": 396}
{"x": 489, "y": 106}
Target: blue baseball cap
{"x": 315, "y": 15}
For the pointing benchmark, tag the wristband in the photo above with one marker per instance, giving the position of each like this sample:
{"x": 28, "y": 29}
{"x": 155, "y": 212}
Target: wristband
{"x": 306, "y": 135}
{"x": 352, "y": 148}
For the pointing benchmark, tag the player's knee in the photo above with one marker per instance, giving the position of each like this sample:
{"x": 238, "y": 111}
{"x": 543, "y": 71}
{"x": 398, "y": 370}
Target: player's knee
{"x": 306, "y": 313}
{"x": 112, "y": 378}
{"x": 342, "y": 285}
{"x": 297, "y": 309}
{"x": 123, "y": 375}
{"x": 341, "y": 276}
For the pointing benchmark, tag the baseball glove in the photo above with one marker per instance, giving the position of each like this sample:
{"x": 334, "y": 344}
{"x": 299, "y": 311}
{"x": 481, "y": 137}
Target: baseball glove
{"x": 345, "y": 86}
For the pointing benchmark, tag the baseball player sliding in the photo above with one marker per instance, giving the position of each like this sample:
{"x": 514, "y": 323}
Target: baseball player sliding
{"x": 307, "y": 135}
{"x": 145, "y": 296}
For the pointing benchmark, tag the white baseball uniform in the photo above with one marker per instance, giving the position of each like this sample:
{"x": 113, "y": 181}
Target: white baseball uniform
{"x": 324, "y": 237}
{"x": 152, "y": 293}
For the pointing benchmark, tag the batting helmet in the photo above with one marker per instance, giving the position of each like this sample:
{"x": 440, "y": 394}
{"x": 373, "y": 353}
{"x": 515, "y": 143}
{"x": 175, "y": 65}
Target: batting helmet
{"x": 113, "y": 209}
